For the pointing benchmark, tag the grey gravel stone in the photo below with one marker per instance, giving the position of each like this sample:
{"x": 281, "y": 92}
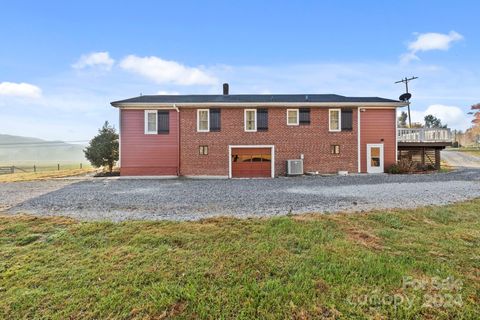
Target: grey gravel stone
{"x": 188, "y": 199}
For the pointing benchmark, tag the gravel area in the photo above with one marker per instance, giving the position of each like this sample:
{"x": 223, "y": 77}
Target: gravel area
{"x": 186, "y": 199}
{"x": 461, "y": 159}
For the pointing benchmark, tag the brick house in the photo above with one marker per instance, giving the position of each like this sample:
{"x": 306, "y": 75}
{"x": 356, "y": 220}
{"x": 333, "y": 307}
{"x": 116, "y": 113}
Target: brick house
{"x": 254, "y": 135}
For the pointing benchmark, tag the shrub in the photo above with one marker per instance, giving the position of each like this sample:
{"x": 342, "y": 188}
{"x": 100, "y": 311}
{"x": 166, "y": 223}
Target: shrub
{"x": 403, "y": 166}
{"x": 393, "y": 169}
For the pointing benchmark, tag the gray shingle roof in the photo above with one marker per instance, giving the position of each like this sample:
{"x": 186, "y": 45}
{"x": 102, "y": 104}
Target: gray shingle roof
{"x": 250, "y": 98}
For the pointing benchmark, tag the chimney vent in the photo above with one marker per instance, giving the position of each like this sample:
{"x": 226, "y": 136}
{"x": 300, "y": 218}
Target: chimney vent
{"x": 225, "y": 89}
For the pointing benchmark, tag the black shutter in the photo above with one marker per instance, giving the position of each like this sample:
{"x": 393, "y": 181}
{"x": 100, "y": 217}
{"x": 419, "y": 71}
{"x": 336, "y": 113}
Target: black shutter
{"x": 163, "y": 122}
{"x": 347, "y": 120}
{"x": 304, "y": 117}
{"x": 262, "y": 119}
{"x": 214, "y": 119}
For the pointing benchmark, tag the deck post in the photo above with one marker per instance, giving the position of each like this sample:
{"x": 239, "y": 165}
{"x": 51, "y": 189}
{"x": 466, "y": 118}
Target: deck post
{"x": 437, "y": 159}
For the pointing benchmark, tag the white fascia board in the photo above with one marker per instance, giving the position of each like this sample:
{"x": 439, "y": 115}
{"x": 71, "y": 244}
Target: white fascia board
{"x": 380, "y": 105}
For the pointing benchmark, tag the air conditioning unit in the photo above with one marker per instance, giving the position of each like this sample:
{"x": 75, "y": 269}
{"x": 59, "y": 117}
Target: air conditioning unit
{"x": 294, "y": 167}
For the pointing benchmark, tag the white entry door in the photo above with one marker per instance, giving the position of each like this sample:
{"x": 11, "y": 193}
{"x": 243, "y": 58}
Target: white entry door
{"x": 375, "y": 158}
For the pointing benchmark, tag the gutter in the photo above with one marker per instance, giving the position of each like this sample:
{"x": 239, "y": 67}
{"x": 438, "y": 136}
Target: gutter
{"x": 165, "y": 105}
{"x": 178, "y": 139}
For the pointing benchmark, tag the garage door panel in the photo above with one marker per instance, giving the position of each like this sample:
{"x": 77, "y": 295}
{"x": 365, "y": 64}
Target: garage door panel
{"x": 251, "y": 151}
{"x": 251, "y": 162}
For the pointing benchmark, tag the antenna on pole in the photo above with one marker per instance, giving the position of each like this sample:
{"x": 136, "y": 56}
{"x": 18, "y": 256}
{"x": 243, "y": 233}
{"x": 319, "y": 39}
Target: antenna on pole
{"x": 406, "y": 96}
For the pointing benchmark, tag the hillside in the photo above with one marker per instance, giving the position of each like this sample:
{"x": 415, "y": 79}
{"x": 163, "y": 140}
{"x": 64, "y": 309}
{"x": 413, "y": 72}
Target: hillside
{"x": 24, "y": 150}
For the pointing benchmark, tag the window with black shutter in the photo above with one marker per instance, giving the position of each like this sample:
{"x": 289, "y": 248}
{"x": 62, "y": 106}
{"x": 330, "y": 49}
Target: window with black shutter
{"x": 347, "y": 120}
{"x": 163, "y": 122}
{"x": 304, "y": 117}
{"x": 262, "y": 119}
{"x": 215, "y": 120}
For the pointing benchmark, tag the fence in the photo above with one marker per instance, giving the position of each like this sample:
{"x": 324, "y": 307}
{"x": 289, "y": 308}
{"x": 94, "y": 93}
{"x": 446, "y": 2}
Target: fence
{"x": 41, "y": 167}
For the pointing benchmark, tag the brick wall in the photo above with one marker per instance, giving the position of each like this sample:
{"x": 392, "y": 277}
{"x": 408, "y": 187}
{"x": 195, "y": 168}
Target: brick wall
{"x": 313, "y": 141}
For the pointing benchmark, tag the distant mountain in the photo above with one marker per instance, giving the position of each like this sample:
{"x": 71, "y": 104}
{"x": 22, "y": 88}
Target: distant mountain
{"x": 20, "y": 150}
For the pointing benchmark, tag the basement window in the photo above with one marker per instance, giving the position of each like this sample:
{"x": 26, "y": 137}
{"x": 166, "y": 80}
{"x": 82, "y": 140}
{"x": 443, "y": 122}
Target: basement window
{"x": 335, "y": 149}
{"x": 203, "y": 150}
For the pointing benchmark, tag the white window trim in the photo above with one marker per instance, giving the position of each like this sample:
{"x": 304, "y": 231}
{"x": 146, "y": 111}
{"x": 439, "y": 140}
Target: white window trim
{"x": 245, "y": 120}
{"x": 339, "y": 120}
{"x": 198, "y": 120}
{"x": 147, "y": 112}
{"x": 298, "y": 117}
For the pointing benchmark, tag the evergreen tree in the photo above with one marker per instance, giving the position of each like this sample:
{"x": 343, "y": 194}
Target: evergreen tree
{"x": 103, "y": 148}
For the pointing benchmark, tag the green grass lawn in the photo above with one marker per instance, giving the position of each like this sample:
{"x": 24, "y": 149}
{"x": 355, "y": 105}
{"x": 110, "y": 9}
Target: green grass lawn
{"x": 305, "y": 267}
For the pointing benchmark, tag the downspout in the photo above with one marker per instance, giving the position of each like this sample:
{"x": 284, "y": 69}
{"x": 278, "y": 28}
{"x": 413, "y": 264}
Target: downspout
{"x": 359, "y": 141}
{"x": 120, "y": 138}
{"x": 178, "y": 139}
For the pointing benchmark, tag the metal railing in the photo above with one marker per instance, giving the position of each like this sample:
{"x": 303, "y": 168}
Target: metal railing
{"x": 424, "y": 135}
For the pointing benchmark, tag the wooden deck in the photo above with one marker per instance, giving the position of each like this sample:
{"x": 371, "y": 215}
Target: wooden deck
{"x": 423, "y": 145}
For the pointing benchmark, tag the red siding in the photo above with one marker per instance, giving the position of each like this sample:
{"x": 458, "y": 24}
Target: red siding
{"x": 313, "y": 141}
{"x": 378, "y": 124}
{"x": 147, "y": 154}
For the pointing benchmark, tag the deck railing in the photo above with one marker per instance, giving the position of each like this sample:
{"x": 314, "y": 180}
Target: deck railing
{"x": 424, "y": 135}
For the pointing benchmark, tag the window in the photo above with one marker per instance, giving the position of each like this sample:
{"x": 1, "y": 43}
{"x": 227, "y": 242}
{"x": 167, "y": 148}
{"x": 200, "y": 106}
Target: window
{"x": 150, "y": 121}
{"x": 292, "y": 117}
{"x": 251, "y": 158}
{"x": 347, "y": 120}
{"x": 203, "y": 120}
{"x": 262, "y": 119}
{"x": 215, "y": 120}
{"x": 375, "y": 160}
{"x": 251, "y": 120}
{"x": 163, "y": 122}
{"x": 203, "y": 150}
{"x": 304, "y": 116}
{"x": 335, "y": 149}
{"x": 334, "y": 120}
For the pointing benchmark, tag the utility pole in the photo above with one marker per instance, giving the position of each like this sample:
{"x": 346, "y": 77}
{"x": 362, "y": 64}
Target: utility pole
{"x": 406, "y": 80}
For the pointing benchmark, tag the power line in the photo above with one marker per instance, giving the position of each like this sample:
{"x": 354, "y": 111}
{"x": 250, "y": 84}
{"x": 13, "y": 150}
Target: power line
{"x": 406, "y": 80}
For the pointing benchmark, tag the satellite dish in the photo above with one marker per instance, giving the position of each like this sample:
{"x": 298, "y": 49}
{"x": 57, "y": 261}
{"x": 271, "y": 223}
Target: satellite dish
{"x": 405, "y": 96}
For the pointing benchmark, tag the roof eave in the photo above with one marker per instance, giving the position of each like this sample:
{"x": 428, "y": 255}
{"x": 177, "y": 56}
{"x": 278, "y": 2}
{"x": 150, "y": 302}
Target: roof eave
{"x": 142, "y": 105}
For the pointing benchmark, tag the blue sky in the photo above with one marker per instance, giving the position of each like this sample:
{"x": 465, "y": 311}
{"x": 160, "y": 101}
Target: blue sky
{"x": 62, "y": 62}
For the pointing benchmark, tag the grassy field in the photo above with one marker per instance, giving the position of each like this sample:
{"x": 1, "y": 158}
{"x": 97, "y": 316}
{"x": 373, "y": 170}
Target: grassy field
{"x": 422, "y": 263}
{"x": 43, "y": 175}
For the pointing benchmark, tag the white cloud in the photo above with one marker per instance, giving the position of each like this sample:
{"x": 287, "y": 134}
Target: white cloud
{"x": 430, "y": 41}
{"x": 101, "y": 60}
{"x": 165, "y": 71}
{"x": 453, "y": 116}
{"x": 21, "y": 90}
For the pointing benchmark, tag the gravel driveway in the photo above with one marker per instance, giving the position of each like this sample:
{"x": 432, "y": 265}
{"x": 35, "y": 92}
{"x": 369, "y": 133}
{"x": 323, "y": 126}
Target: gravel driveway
{"x": 461, "y": 159}
{"x": 185, "y": 199}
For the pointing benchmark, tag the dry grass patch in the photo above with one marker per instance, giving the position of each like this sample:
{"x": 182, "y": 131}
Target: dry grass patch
{"x": 44, "y": 175}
